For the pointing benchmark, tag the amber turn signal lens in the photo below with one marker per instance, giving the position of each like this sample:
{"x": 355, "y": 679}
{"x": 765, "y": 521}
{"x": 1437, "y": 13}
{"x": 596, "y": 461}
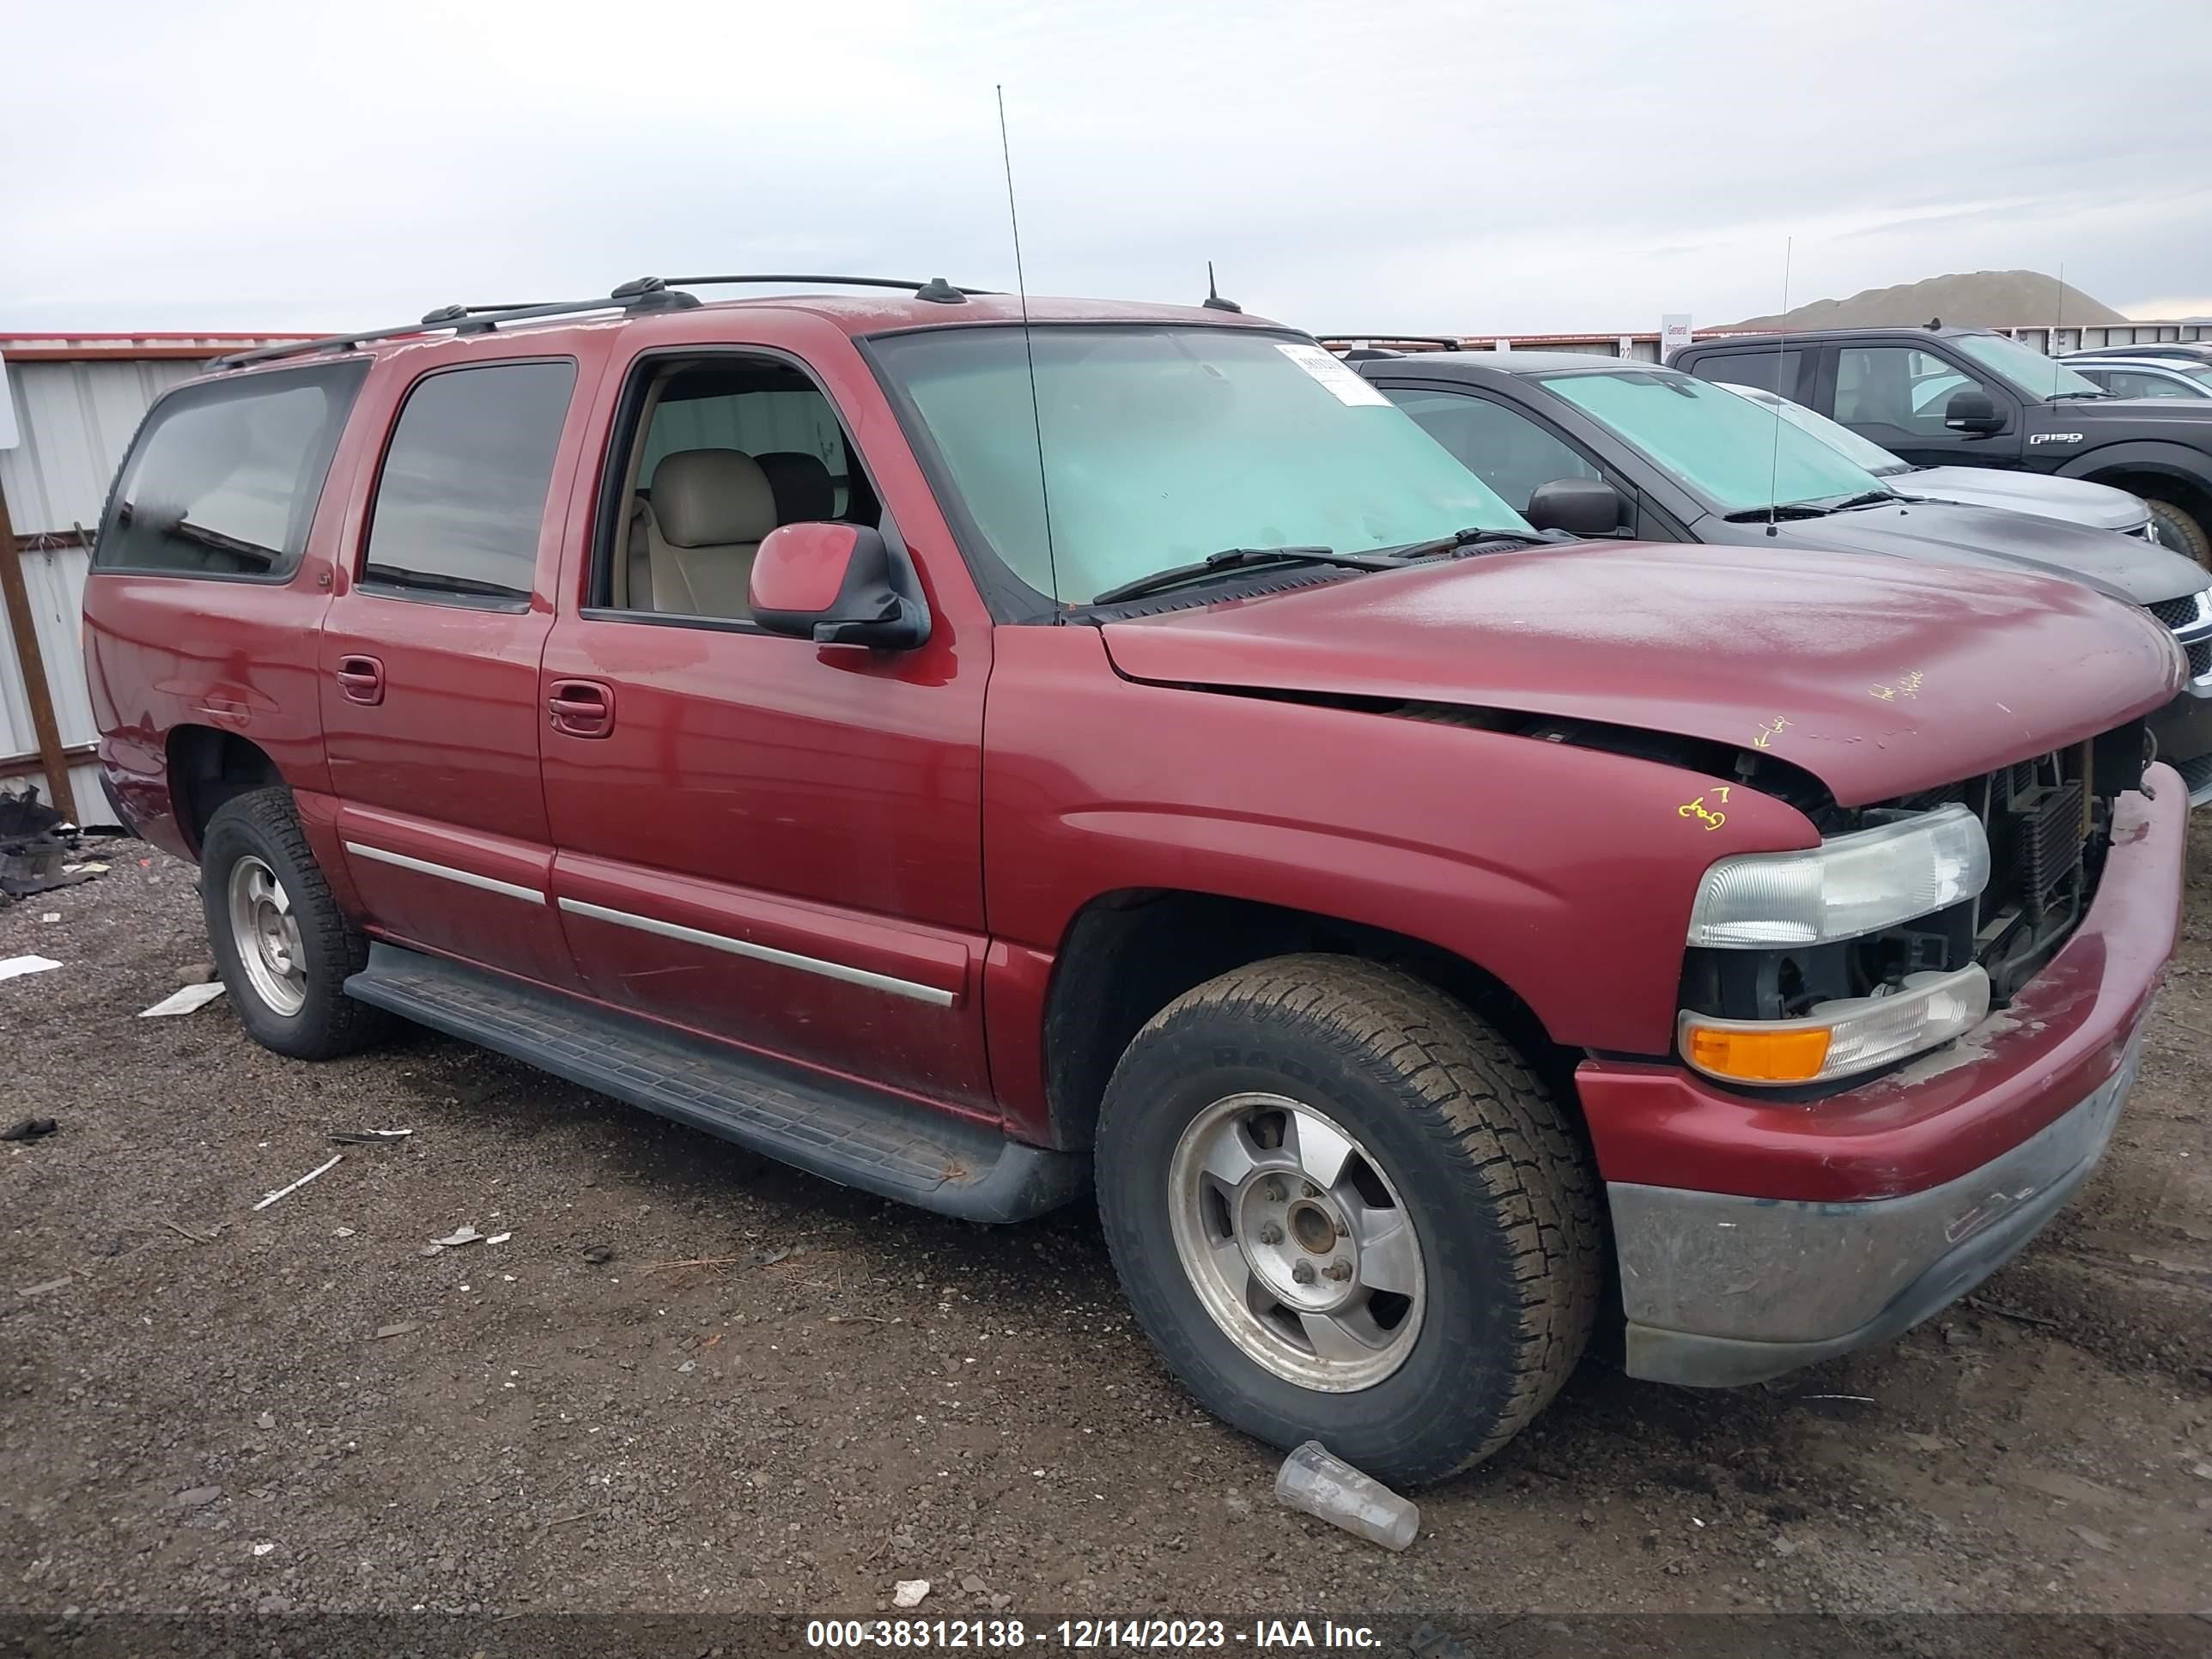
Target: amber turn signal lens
{"x": 1786, "y": 1056}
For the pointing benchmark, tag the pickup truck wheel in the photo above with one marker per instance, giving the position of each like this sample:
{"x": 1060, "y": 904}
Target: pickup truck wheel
{"x": 1344, "y": 1210}
{"x": 281, "y": 945}
{"x": 2179, "y": 531}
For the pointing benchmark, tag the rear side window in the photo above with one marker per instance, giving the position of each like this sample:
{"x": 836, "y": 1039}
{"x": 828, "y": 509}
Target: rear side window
{"x": 462, "y": 496}
{"x": 1785, "y": 373}
{"x": 224, "y": 477}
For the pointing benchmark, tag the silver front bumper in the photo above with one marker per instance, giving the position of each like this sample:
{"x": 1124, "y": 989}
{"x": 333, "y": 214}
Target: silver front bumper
{"x": 1721, "y": 1290}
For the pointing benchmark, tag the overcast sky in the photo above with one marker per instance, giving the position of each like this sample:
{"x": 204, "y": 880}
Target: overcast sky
{"x": 1512, "y": 165}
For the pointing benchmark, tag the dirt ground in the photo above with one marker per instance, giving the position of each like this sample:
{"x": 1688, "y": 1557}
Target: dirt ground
{"x": 208, "y": 1408}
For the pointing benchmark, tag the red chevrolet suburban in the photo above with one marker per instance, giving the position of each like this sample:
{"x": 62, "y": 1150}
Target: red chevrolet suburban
{"x": 984, "y": 753}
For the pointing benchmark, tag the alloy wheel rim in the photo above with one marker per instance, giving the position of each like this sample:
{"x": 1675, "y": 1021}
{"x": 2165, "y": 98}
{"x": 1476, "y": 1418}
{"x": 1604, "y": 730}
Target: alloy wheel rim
{"x": 1297, "y": 1242}
{"x": 267, "y": 933}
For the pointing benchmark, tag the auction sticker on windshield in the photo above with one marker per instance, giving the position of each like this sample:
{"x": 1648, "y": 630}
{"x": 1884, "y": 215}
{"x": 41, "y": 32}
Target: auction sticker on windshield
{"x": 1344, "y": 382}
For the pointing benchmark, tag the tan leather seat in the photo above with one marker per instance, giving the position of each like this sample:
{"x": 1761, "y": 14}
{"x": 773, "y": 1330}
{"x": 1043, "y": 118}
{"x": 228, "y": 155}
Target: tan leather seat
{"x": 703, "y": 527}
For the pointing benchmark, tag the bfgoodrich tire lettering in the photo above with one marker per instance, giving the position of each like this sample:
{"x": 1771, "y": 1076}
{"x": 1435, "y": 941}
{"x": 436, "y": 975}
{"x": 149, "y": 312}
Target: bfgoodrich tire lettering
{"x": 255, "y": 840}
{"x": 1476, "y": 1153}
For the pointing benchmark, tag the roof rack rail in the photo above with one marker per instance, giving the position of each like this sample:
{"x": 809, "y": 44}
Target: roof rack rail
{"x": 640, "y": 293}
{"x": 936, "y": 289}
{"x": 1443, "y": 341}
{"x": 646, "y": 293}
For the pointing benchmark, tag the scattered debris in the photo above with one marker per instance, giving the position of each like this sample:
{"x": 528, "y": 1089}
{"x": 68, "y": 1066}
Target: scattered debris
{"x": 1331, "y": 1490}
{"x": 973, "y": 1585}
{"x": 2014, "y": 1314}
{"x": 689, "y": 1365}
{"x": 186, "y": 1233}
{"x": 1926, "y": 1443}
{"x": 908, "y": 1592}
{"x": 462, "y": 1235}
{"x": 262, "y": 1549}
{"x": 12, "y": 967}
{"x": 50, "y": 916}
{"x": 197, "y": 1497}
{"x": 599, "y": 1255}
{"x": 61, "y": 1284}
{"x": 190, "y": 1000}
{"x": 266, "y": 1420}
{"x": 198, "y": 973}
{"x": 36, "y": 843}
{"x": 92, "y": 869}
{"x": 341, "y": 1233}
{"x": 29, "y": 1128}
{"x": 684, "y": 1270}
{"x": 400, "y": 1329}
{"x": 499, "y": 1238}
{"x": 368, "y": 1137}
{"x": 337, "y": 1158}
{"x": 2069, "y": 1488}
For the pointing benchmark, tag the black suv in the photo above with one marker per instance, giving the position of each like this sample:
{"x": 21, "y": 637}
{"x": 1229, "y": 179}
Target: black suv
{"x": 1594, "y": 446}
{"x": 1966, "y": 397}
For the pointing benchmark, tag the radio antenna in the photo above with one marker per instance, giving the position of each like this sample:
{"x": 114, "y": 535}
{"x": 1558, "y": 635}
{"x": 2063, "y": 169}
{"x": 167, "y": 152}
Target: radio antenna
{"x": 2058, "y": 316}
{"x": 1781, "y": 357}
{"x": 1029, "y": 348}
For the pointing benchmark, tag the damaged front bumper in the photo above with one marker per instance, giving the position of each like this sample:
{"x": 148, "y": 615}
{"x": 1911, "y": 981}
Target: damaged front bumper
{"x": 1754, "y": 1236}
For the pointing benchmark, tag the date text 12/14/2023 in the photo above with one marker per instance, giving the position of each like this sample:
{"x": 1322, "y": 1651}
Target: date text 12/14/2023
{"x": 1259, "y": 1636}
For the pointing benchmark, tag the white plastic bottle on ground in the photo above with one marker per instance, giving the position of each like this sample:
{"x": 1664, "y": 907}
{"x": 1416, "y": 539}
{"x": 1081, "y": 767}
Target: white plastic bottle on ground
{"x": 1333, "y": 1490}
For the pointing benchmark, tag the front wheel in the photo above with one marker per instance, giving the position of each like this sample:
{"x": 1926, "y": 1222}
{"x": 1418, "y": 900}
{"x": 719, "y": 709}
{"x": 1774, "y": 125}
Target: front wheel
{"x": 1344, "y": 1210}
{"x": 282, "y": 946}
{"x": 2180, "y": 531}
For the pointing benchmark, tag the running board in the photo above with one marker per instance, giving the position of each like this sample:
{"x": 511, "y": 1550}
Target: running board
{"x": 843, "y": 1133}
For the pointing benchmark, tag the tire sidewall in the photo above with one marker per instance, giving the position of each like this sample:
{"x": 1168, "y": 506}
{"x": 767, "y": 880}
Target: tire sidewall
{"x": 2180, "y": 531}
{"x": 1425, "y": 1418}
{"x": 231, "y": 835}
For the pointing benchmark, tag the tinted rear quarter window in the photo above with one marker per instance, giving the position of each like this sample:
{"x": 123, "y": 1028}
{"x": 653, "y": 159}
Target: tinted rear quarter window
{"x": 462, "y": 495}
{"x": 1760, "y": 369}
{"x": 223, "y": 478}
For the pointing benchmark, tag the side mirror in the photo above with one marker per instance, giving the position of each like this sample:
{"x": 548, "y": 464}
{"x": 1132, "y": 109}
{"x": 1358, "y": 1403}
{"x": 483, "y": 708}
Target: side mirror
{"x": 838, "y": 583}
{"x": 1970, "y": 411}
{"x": 1581, "y": 507}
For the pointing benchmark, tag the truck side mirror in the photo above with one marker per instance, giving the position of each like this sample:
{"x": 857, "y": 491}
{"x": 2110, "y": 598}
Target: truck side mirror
{"x": 1581, "y": 507}
{"x": 1970, "y": 411}
{"x": 838, "y": 583}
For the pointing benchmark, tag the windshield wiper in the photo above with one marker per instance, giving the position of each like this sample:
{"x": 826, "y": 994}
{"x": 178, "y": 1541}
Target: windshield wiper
{"x": 2061, "y": 396}
{"x": 1459, "y": 538}
{"x": 1780, "y": 510}
{"x": 1239, "y": 558}
{"x": 1865, "y": 498}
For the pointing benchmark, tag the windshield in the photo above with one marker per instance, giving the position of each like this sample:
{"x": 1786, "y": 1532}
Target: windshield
{"x": 2028, "y": 369}
{"x": 1163, "y": 445}
{"x": 1862, "y": 451}
{"x": 1737, "y": 453}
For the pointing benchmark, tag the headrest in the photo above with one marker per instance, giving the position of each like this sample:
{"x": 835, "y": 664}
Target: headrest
{"x": 705, "y": 497}
{"x": 804, "y": 491}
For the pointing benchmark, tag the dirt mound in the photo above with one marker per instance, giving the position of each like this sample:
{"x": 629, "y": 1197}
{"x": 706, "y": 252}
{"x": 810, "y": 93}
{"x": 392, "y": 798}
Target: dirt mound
{"x": 1980, "y": 299}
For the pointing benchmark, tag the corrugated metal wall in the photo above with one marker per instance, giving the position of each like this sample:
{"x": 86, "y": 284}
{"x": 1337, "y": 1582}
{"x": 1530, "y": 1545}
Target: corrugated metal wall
{"x": 75, "y": 419}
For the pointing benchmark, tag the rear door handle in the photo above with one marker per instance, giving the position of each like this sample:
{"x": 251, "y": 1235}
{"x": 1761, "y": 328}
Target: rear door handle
{"x": 360, "y": 679}
{"x": 582, "y": 709}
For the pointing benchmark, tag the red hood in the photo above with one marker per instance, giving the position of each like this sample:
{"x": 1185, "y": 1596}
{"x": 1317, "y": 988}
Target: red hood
{"x": 1983, "y": 669}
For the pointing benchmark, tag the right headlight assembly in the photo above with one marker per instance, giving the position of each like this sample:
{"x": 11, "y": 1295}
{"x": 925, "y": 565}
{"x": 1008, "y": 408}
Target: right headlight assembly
{"x": 1848, "y": 886}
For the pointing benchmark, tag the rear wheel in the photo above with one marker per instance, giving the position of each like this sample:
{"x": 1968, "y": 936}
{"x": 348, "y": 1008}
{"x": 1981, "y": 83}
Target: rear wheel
{"x": 2180, "y": 531}
{"x": 1346, "y": 1210}
{"x": 281, "y": 945}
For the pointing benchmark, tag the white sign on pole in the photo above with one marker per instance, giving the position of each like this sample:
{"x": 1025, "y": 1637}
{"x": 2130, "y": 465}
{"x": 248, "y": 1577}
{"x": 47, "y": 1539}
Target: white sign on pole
{"x": 1673, "y": 331}
{"x": 10, "y": 436}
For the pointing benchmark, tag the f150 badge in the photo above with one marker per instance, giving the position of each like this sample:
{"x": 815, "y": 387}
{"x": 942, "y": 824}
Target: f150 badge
{"x": 2035, "y": 438}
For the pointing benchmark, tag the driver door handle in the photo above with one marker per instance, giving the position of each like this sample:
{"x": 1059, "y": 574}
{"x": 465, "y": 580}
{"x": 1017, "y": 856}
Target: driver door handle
{"x": 581, "y": 708}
